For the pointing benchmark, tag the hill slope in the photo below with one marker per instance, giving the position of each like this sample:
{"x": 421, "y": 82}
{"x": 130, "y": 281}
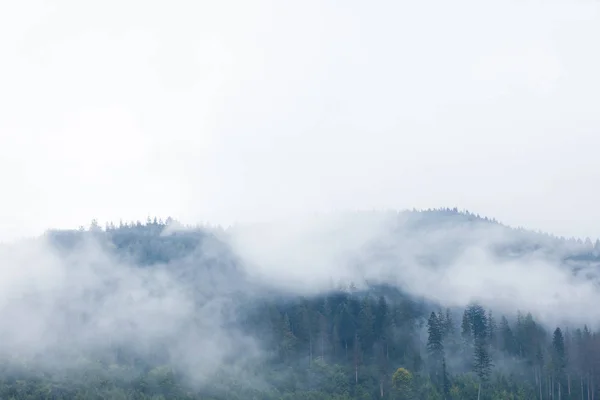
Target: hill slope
{"x": 318, "y": 309}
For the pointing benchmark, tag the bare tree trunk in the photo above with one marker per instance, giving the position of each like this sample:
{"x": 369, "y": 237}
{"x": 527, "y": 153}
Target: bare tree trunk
{"x": 569, "y": 385}
{"x": 310, "y": 350}
{"x": 559, "y": 391}
{"x": 383, "y": 367}
{"x": 479, "y": 392}
{"x": 540, "y": 384}
{"x": 323, "y": 346}
{"x": 588, "y": 386}
{"x": 356, "y": 357}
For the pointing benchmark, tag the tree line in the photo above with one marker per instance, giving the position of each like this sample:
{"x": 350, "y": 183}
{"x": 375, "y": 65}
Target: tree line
{"x": 378, "y": 343}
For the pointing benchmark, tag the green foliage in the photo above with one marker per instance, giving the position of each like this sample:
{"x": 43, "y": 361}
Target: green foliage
{"x": 402, "y": 382}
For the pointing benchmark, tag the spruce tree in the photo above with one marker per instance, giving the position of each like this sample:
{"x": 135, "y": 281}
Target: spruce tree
{"x": 448, "y": 324}
{"x": 366, "y": 321}
{"x": 435, "y": 349}
{"x": 482, "y": 360}
{"x": 492, "y": 330}
{"x": 507, "y": 338}
{"x": 558, "y": 358}
{"x": 445, "y": 380}
{"x": 435, "y": 346}
{"x": 466, "y": 329}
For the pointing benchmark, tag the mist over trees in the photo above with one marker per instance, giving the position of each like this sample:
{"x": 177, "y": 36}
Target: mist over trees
{"x": 158, "y": 310}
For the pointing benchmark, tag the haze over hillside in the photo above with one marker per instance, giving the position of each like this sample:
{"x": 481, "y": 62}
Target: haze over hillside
{"x": 279, "y": 125}
{"x": 197, "y": 310}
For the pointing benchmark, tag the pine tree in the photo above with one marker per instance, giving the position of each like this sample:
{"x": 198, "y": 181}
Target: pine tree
{"x": 467, "y": 339}
{"x": 381, "y": 326}
{"x": 288, "y": 342}
{"x": 366, "y": 322}
{"x": 445, "y": 380}
{"x": 478, "y": 321}
{"x": 448, "y": 324}
{"x": 466, "y": 329}
{"x": 568, "y": 363}
{"x": 507, "y": 338}
{"x": 482, "y": 360}
{"x": 435, "y": 347}
{"x": 381, "y": 317}
{"x": 325, "y": 328}
{"x": 307, "y": 329}
{"x": 558, "y": 358}
{"x": 492, "y": 329}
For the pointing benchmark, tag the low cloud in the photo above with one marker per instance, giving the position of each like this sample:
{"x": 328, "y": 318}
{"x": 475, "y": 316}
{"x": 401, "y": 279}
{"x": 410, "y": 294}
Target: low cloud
{"x": 449, "y": 259}
{"x": 59, "y": 305}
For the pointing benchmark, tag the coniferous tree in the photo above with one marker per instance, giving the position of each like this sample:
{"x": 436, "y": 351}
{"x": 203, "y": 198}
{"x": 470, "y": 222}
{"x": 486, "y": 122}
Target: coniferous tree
{"x": 365, "y": 325}
{"x": 434, "y": 340}
{"x": 305, "y": 322}
{"x": 289, "y": 340}
{"x": 506, "y": 336}
{"x": 482, "y": 361}
{"x": 587, "y": 361}
{"x": 558, "y": 359}
{"x": 448, "y": 324}
{"x": 568, "y": 362}
{"x": 445, "y": 380}
{"x": 466, "y": 329}
{"x": 435, "y": 347}
{"x": 492, "y": 330}
{"x": 381, "y": 317}
{"x": 381, "y": 331}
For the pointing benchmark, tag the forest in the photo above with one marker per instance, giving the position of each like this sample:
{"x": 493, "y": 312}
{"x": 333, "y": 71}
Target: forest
{"x": 378, "y": 341}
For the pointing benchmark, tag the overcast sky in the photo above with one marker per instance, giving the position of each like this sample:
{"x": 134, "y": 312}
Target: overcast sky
{"x": 227, "y": 111}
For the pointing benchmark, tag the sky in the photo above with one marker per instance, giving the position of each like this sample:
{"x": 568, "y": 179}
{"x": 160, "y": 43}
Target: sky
{"x": 237, "y": 111}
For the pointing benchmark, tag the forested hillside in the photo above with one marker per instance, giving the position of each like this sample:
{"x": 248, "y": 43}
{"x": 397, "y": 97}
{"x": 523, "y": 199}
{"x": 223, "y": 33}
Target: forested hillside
{"x": 237, "y": 336}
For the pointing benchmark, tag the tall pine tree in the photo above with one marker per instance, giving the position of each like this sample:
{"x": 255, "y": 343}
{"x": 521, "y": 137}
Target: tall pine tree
{"x": 559, "y": 362}
{"x": 435, "y": 347}
{"x": 482, "y": 360}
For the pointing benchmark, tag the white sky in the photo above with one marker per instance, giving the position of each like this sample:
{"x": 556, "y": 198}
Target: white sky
{"x": 228, "y": 111}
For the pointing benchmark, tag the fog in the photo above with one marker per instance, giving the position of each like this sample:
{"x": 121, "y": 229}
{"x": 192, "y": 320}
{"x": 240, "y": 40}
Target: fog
{"x": 57, "y": 304}
{"x": 276, "y": 121}
{"x": 244, "y": 111}
{"x": 452, "y": 263}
